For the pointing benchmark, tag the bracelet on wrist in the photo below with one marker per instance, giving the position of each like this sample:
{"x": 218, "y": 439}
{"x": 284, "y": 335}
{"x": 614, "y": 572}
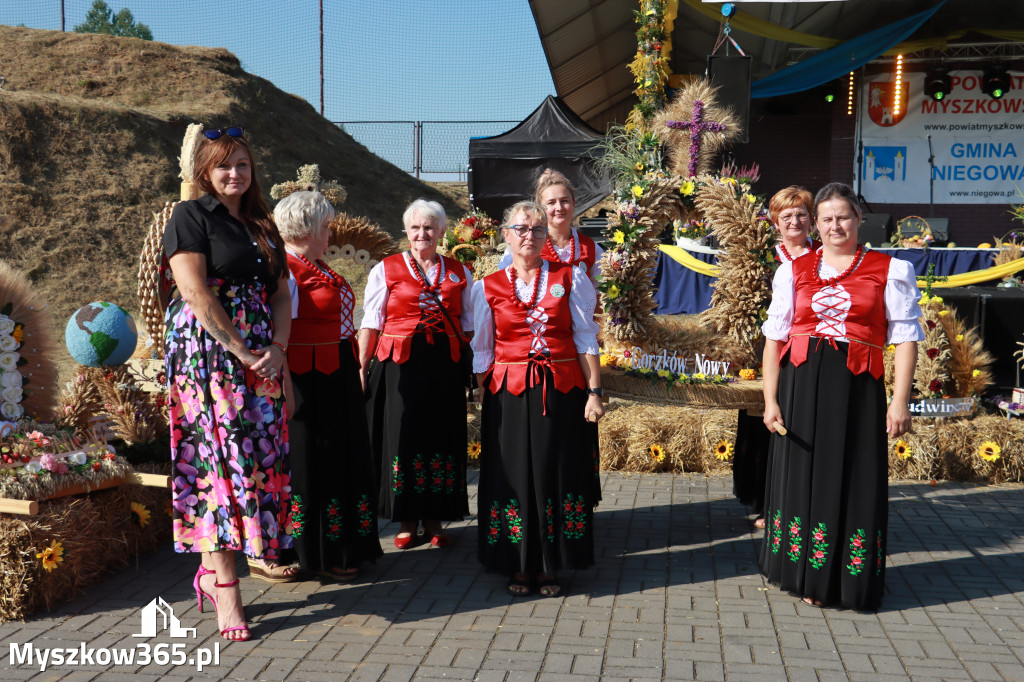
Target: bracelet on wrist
{"x": 279, "y": 345}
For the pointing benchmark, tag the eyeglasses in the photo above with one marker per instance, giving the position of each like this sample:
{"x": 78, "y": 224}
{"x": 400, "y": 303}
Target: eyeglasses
{"x": 800, "y": 216}
{"x": 538, "y": 231}
{"x": 233, "y": 131}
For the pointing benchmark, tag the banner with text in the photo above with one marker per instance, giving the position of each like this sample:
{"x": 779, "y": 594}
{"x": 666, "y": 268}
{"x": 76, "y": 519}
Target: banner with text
{"x": 977, "y": 141}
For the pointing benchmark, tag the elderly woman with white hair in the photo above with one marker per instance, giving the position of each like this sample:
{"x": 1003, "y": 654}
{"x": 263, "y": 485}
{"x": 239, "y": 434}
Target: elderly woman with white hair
{"x": 416, "y": 312}
{"x": 334, "y": 491}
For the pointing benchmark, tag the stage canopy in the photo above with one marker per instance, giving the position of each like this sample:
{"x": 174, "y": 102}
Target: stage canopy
{"x": 503, "y": 168}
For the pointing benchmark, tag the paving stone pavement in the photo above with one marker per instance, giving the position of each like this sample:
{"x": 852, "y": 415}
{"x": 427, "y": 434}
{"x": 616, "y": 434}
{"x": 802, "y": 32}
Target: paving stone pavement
{"x": 675, "y": 595}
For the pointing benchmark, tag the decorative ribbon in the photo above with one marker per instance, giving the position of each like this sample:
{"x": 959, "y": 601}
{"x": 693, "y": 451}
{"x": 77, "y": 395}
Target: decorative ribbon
{"x": 682, "y": 257}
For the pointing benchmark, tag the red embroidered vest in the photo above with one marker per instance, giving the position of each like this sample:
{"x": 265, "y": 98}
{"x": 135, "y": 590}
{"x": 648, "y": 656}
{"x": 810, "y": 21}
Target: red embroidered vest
{"x": 406, "y": 316}
{"x": 513, "y": 336}
{"x": 316, "y": 332}
{"x": 586, "y": 255}
{"x": 864, "y": 320}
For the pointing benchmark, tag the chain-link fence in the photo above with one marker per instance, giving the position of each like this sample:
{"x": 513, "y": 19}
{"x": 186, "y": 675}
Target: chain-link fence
{"x": 423, "y": 147}
{"x": 360, "y": 61}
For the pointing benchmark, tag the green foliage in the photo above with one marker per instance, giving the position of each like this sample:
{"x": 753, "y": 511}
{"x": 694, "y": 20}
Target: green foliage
{"x": 101, "y": 19}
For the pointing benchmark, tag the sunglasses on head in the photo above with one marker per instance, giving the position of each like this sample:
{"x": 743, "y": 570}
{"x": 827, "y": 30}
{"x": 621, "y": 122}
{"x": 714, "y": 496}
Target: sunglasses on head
{"x": 233, "y": 131}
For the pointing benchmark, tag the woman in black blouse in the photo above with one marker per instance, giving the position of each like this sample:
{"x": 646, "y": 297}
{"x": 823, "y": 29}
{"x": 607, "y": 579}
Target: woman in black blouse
{"x": 227, "y": 327}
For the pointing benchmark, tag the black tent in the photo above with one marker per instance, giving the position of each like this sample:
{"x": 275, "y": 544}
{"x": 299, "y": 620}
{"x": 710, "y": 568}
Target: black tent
{"x": 504, "y": 168}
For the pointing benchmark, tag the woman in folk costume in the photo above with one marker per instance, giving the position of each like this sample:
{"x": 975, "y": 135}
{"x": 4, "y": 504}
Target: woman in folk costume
{"x": 536, "y": 358}
{"x": 416, "y": 311}
{"x": 334, "y": 491}
{"x": 556, "y": 195}
{"x": 564, "y": 243}
{"x": 790, "y": 211}
{"x": 826, "y": 503}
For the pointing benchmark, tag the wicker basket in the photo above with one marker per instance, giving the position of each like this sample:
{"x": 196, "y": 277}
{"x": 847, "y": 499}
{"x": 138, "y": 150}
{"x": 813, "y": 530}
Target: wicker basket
{"x": 741, "y": 395}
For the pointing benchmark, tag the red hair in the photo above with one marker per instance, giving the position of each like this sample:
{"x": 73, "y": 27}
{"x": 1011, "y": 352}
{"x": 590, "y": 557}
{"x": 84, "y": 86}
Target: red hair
{"x": 790, "y": 197}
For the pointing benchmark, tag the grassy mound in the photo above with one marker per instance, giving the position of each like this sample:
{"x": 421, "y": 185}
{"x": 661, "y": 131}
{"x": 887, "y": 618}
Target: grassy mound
{"x": 90, "y": 132}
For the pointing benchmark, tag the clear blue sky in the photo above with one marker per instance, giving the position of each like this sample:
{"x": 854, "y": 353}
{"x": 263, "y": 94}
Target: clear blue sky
{"x": 384, "y": 59}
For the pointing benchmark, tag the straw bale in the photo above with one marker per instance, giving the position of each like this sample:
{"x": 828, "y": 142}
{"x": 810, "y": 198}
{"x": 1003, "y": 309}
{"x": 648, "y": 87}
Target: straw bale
{"x": 687, "y": 435}
{"x": 941, "y": 449}
{"x": 97, "y": 533}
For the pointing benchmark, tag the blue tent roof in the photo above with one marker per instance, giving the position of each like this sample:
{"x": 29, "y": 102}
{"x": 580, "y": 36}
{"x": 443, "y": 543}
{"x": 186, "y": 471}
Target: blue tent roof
{"x": 840, "y": 60}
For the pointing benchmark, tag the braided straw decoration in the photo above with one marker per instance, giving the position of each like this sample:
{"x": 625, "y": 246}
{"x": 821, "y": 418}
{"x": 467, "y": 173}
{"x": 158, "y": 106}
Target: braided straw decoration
{"x": 151, "y": 300}
{"x": 929, "y": 369}
{"x": 22, "y": 304}
{"x": 677, "y": 142}
{"x": 357, "y": 239}
{"x": 744, "y": 284}
{"x": 659, "y": 205}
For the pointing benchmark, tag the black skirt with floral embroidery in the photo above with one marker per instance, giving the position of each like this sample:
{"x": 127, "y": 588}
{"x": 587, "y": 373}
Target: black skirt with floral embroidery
{"x": 826, "y": 504}
{"x": 537, "y": 493}
{"x": 334, "y": 488}
{"x": 417, "y": 414}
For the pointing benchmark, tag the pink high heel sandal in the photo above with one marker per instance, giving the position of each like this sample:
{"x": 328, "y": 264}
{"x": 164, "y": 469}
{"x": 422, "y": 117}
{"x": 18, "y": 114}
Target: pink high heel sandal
{"x": 243, "y": 626}
{"x": 200, "y": 592}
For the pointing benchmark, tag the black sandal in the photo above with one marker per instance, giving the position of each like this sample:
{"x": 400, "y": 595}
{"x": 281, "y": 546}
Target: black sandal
{"x": 523, "y": 582}
{"x": 549, "y": 582}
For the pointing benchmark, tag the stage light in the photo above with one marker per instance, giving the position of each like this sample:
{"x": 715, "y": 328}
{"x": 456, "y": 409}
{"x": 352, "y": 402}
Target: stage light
{"x": 898, "y": 92}
{"x": 995, "y": 81}
{"x": 937, "y": 83}
{"x": 829, "y": 97}
{"x": 849, "y": 97}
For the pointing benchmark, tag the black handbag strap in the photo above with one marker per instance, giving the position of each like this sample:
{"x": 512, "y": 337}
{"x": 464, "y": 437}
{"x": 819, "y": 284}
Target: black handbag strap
{"x": 437, "y": 298}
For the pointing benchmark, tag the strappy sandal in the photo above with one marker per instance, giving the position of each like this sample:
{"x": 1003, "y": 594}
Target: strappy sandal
{"x": 759, "y": 522}
{"x": 200, "y": 592}
{"x": 554, "y": 588}
{"x": 237, "y": 628}
{"x": 522, "y": 583}
{"x": 272, "y": 573}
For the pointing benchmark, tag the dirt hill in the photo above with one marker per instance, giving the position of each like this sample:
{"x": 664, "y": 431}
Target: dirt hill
{"x": 90, "y": 132}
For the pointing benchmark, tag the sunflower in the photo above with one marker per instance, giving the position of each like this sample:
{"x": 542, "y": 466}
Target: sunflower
{"x": 657, "y": 453}
{"x": 140, "y": 514}
{"x": 474, "y": 450}
{"x": 903, "y": 449}
{"x": 989, "y": 451}
{"x": 723, "y": 450}
{"x": 51, "y": 556}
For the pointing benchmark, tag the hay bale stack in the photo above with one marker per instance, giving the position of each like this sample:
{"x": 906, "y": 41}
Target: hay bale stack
{"x": 688, "y": 437}
{"x": 98, "y": 533}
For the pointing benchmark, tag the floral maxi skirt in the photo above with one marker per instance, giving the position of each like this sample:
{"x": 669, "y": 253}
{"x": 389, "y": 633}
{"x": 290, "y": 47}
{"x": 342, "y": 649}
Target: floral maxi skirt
{"x": 229, "y": 438}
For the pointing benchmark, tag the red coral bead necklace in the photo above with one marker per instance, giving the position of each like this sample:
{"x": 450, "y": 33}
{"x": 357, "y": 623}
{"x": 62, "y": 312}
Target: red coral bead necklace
{"x": 322, "y": 271}
{"x": 832, "y": 281}
{"x": 524, "y": 305}
{"x": 436, "y": 286}
{"x": 785, "y": 251}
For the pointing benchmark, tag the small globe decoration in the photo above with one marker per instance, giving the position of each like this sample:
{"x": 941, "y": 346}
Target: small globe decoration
{"x": 101, "y": 334}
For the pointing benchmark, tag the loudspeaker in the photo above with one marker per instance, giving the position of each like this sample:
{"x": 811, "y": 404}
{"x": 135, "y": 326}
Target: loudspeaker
{"x": 732, "y": 75}
{"x": 913, "y": 225}
{"x": 875, "y": 229}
